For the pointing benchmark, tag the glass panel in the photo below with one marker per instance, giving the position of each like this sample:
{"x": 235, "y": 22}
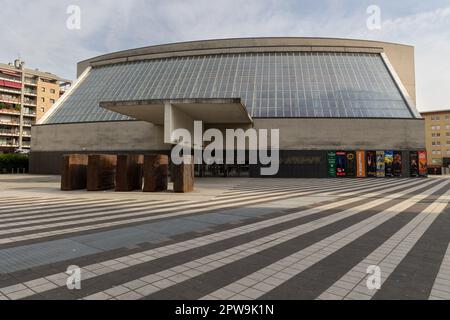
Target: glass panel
{"x": 298, "y": 84}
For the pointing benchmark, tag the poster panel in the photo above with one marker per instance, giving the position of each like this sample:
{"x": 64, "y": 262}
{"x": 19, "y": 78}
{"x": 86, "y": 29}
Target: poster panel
{"x": 331, "y": 156}
{"x": 360, "y": 164}
{"x": 351, "y": 164}
{"x": 341, "y": 162}
{"x": 371, "y": 164}
{"x": 414, "y": 164}
{"x": 422, "y": 155}
{"x": 397, "y": 164}
{"x": 380, "y": 164}
{"x": 388, "y": 160}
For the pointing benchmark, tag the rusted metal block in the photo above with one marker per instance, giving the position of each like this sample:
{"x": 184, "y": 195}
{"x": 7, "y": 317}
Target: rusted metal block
{"x": 183, "y": 176}
{"x": 73, "y": 172}
{"x": 129, "y": 172}
{"x": 156, "y": 171}
{"x": 101, "y": 172}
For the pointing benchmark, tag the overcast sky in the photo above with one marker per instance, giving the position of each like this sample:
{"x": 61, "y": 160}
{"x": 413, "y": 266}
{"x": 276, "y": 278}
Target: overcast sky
{"x": 37, "y": 32}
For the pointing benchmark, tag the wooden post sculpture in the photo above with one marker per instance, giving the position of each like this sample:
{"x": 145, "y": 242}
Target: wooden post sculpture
{"x": 129, "y": 172}
{"x": 101, "y": 171}
{"x": 73, "y": 172}
{"x": 183, "y": 176}
{"x": 156, "y": 171}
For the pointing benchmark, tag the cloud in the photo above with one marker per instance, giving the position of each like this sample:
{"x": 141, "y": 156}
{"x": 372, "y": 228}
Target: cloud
{"x": 36, "y": 30}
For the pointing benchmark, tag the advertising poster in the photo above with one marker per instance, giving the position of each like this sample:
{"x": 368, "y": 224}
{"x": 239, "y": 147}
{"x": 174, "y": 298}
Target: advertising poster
{"x": 422, "y": 155}
{"x": 360, "y": 164}
{"x": 397, "y": 164}
{"x": 380, "y": 164}
{"x": 331, "y": 164}
{"x": 414, "y": 164}
{"x": 341, "y": 162}
{"x": 351, "y": 164}
{"x": 371, "y": 164}
{"x": 388, "y": 160}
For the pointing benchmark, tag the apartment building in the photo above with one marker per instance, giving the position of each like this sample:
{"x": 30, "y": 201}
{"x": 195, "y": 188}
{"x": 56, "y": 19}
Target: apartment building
{"x": 437, "y": 137}
{"x": 39, "y": 90}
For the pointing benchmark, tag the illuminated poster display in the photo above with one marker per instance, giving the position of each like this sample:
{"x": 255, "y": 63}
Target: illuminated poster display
{"x": 371, "y": 164}
{"x": 388, "y": 159}
{"x": 341, "y": 161}
{"x": 397, "y": 164}
{"x": 360, "y": 164}
{"x": 351, "y": 159}
{"x": 380, "y": 164}
{"x": 422, "y": 155}
{"x": 414, "y": 164}
{"x": 331, "y": 155}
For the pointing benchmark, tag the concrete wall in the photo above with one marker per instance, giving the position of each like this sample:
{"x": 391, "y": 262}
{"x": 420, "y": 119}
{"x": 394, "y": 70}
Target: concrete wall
{"x": 99, "y": 136}
{"x": 298, "y": 138}
{"x": 295, "y": 134}
{"x": 401, "y": 56}
{"x": 347, "y": 134}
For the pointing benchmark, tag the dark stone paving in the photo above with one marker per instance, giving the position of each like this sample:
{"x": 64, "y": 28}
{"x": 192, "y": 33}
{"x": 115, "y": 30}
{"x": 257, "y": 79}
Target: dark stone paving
{"x": 310, "y": 283}
{"x": 229, "y": 273}
{"x": 414, "y": 277}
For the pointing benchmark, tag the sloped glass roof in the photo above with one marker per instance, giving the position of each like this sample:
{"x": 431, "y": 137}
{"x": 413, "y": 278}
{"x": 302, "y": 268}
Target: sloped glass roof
{"x": 299, "y": 84}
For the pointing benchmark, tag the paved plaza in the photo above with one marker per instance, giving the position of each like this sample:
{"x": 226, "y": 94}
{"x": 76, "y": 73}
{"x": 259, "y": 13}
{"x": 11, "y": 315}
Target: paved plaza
{"x": 230, "y": 239}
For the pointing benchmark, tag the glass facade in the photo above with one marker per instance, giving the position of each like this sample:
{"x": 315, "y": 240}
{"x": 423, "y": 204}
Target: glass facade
{"x": 294, "y": 84}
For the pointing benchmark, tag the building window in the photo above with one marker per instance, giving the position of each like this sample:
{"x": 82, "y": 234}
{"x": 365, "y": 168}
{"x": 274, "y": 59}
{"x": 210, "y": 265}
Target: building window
{"x": 42, "y": 89}
{"x": 42, "y": 109}
{"x": 52, "y": 91}
{"x": 448, "y": 134}
{"x": 447, "y": 117}
{"x": 52, "y": 101}
{"x": 436, "y": 128}
{"x": 448, "y": 151}
{"x": 447, "y": 127}
{"x": 436, "y": 161}
{"x": 435, "y": 135}
{"x": 42, "y": 99}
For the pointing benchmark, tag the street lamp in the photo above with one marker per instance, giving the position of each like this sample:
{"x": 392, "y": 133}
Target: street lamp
{"x": 19, "y": 64}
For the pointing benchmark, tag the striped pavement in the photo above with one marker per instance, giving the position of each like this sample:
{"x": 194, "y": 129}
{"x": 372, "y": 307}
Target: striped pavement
{"x": 260, "y": 239}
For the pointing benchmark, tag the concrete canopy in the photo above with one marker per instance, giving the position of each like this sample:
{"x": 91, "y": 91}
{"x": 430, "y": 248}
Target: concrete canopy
{"x": 229, "y": 110}
{"x": 176, "y": 114}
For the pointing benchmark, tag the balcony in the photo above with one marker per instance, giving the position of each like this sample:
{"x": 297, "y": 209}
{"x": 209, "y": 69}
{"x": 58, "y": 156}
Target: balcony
{"x": 11, "y": 123}
{"x": 9, "y": 133}
{"x": 9, "y": 99}
{"x": 10, "y": 111}
{"x": 28, "y": 92}
{"x": 9, "y": 144}
{"x": 31, "y": 82}
{"x": 9, "y": 90}
{"x": 9, "y": 78}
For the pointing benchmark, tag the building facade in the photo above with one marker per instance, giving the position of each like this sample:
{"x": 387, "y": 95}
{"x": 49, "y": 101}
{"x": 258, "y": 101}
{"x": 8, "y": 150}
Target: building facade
{"x": 437, "y": 137}
{"x": 40, "y": 92}
{"x": 340, "y": 105}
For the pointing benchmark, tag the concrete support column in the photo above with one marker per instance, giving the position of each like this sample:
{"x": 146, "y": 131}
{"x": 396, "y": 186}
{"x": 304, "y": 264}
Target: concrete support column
{"x": 174, "y": 119}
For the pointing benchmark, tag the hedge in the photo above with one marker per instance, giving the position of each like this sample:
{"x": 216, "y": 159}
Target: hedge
{"x": 8, "y": 162}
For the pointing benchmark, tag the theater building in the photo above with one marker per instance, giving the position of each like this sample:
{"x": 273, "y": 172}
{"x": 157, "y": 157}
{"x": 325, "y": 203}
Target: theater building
{"x": 344, "y": 108}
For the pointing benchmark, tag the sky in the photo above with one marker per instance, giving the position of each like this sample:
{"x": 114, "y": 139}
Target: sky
{"x": 37, "y": 31}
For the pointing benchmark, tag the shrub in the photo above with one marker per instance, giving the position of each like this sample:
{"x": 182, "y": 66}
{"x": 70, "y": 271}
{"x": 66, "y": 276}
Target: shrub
{"x": 13, "y": 161}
